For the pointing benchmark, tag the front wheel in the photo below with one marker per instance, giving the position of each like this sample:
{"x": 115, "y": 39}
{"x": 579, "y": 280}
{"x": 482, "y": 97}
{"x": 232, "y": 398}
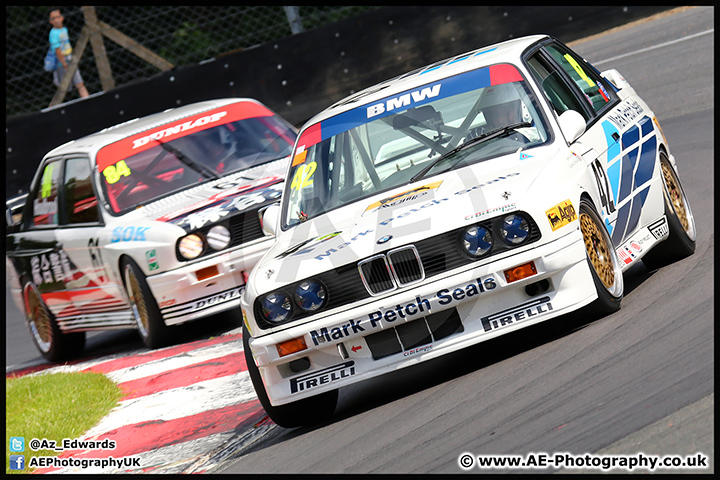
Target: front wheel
{"x": 153, "y": 331}
{"x": 603, "y": 260}
{"x": 681, "y": 223}
{"x": 303, "y": 412}
{"x": 53, "y": 344}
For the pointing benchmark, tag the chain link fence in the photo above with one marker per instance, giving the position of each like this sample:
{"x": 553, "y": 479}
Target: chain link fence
{"x": 176, "y": 35}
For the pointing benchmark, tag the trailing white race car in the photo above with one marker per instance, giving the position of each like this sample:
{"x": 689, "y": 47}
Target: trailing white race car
{"x": 146, "y": 224}
{"x": 448, "y": 206}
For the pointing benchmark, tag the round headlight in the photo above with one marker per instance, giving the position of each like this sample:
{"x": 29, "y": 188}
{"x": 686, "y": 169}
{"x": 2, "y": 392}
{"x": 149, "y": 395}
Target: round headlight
{"x": 477, "y": 240}
{"x": 190, "y": 246}
{"x": 276, "y": 307}
{"x": 218, "y": 237}
{"x": 515, "y": 229}
{"x": 310, "y": 296}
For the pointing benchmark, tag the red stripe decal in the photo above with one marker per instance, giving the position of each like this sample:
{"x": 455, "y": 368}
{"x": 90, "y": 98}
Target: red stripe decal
{"x": 504, "y": 73}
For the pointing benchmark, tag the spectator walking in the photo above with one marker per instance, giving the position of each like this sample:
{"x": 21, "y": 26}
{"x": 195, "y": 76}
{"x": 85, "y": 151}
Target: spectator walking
{"x": 60, "y": 44}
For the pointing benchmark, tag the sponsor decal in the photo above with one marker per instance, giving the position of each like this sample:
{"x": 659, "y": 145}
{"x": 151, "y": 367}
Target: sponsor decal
{"x": 47, "y": 269}
{"x": 322, "y": 377}
{"x": 625, "y": 113}
{"x": 626, "y": 255}
{"x": 151, "y": 257}
{"x": 561, "y": 214}
{"x": 216, "y": 299}
{"x": 403, "y": 101}
{"x": 659, "y": 229}
{"x": 167, "y": 303}
{"x": 111, "y": 154}
{"x": 419, "y": 307}
{"x": 505, "y": 208}
{"x": 400, "y": 198}
{"x": 517, "y": 314}
{"x": 129, "y": 234}
{"x": 524, "y": 156}
{"x": 413, "y": 351}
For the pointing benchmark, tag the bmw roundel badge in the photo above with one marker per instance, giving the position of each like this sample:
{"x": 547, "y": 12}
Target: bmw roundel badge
{"x": 384, "y": 239}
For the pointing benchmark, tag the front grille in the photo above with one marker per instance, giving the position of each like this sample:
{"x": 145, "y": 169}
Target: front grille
{"x": 376, "y": 275}
{"x": 414, "y": 334}
{"x": 397, "y": 268}
{"x": 348, "y": 283}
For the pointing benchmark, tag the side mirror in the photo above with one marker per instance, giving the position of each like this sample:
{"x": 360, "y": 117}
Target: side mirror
{"x": 572, "y": 125}
{"x": 269, "y": 217}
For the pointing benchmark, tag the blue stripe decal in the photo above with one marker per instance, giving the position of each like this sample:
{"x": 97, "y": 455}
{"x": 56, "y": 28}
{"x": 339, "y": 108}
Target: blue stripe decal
{"x": 638, "y": 202}
{"x": 613, "y": 146}
{"x": 646, "y": 165}
{"x": 620, "y": 223}
{"x": 416, "y": 97}
{"x": 631, "y": 137}
{"x": 646, "y": 125}
{"x": 628, "y": 167}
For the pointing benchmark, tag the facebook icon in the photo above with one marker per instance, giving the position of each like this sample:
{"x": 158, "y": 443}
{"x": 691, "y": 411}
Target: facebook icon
{"x": 17, "y": 462}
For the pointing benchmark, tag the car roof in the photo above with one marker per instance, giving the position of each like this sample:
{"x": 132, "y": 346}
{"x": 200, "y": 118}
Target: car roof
{"x": 92, "y": 143}
{"x": 509, "y": 51}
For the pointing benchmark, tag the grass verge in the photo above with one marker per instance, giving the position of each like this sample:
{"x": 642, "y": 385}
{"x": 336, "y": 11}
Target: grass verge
{"x": 54, "y": 407}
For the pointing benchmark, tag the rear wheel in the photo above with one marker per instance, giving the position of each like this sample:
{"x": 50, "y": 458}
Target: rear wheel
{"x": 153, "y": 331}
{"x": 681, "y": 223}
{"x": 303, "y": 412}
{"x": 53, "y": 344}
{"x": 604, "y": 263}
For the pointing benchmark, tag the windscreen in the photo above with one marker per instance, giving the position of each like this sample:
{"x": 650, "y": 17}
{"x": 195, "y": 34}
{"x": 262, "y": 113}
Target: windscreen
{"x": 155, "y": 163}
{"x": 443, "y": 125}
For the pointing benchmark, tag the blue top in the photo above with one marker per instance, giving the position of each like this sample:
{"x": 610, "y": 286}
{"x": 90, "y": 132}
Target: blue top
{"x": 59, "y": 38}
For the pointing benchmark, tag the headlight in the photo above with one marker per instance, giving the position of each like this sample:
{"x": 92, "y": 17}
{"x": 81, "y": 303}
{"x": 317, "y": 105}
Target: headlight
{"x": 477, "y": 240}
{"x": 190, "y": 246}
{"x": 310, "y": 295}
{"x": 515, "y": 229}
{"x": 276, "y": 307}
{"x": 218, "y": 237}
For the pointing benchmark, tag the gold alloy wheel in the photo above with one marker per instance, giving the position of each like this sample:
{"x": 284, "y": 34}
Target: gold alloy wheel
{"x": 676, "y": 197}
{"x": 137, "y": 301}
{"x": 598, "y": 250}
{"x": 39, "y": 320}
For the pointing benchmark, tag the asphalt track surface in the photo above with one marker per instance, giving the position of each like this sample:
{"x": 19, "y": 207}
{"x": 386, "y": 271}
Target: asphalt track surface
{"x": 640, "y": 380}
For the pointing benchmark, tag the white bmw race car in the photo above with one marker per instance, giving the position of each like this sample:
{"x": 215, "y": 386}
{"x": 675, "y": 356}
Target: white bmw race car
{"x": 453, "y": 204}
{"x": 147, "y": 224}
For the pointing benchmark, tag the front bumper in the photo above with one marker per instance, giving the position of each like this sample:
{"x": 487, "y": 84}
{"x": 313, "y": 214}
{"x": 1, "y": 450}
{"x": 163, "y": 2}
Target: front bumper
{"x": 185, "y": 294}
{"x": 487, "y": 306}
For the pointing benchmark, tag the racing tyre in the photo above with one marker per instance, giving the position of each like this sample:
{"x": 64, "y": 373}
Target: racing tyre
{"x": 153, "y": 331}
{"x": 297, "y": 414}
{"x": 681, "y": 223}
{"x": 52, "y": 343}
{"x": 603, "y": 261}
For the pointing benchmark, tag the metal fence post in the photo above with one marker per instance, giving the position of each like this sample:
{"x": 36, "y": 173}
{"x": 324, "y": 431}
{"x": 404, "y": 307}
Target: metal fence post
{"x": 293, "y": 16}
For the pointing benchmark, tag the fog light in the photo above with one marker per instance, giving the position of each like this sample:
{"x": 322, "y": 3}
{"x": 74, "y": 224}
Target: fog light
{"x": 521, "y": 271}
